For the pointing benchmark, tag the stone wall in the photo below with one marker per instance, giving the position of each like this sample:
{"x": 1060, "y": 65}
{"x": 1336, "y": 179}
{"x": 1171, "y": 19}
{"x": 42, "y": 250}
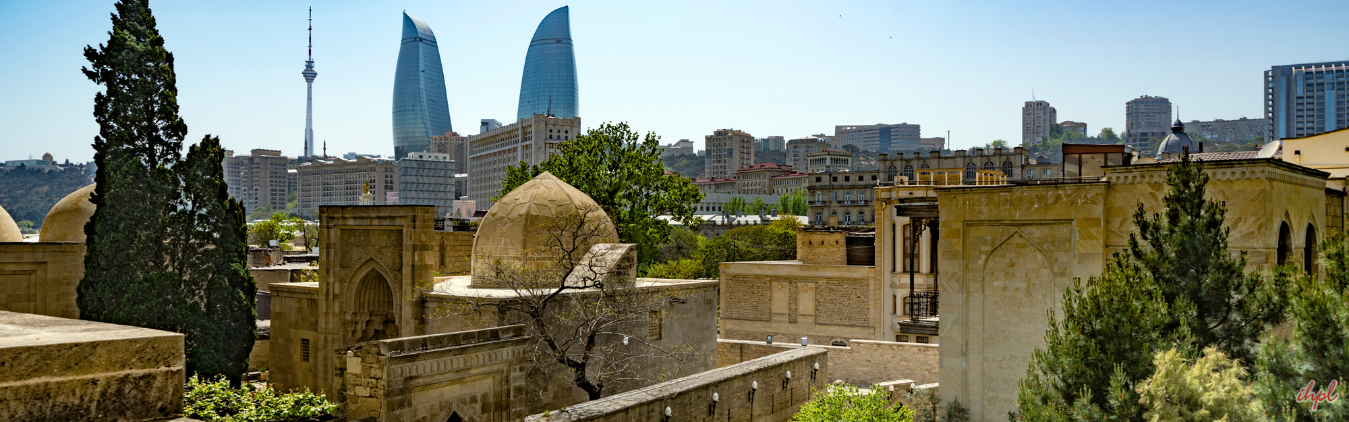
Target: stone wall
{"x": 788, "y": 299}
{"x": 778, "y": 396}
{"x": 821, "y": 247}
{"x": 58, "y": 369}
{"x": 465, "y": 376}
{"x": 456, "y": 251}
{"x": 40, "y": 278}
{"x": 862, "y": 362}
{"x": 293, "y": 348}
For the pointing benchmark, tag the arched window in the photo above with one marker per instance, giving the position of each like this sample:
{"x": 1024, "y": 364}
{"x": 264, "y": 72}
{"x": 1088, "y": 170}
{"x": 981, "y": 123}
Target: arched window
{"x": 908, "y": 172}
{"x": 989, "y": 166}
{"x": 1285, "y": 244}
{"x": 969, "y": 171}
{"x": 1007, "y": 168}
{"x": 890, "y": 175}
{"x": 1309, "y": 251}
{"x": 924, "y": 166}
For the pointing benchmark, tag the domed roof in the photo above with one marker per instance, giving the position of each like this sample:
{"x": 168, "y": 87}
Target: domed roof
{"x": 65, "y": 222}
{"x": 516, "y": 228}
{"x": 1176, "y": 141}
{"x": 9, "y": 231}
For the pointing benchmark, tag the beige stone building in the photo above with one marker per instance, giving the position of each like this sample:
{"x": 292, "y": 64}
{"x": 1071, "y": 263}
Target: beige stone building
{"x": 799, "y": 150}
{"x": 530, "y": 140}
{"x": 337, "y": 181}
{"x": 728, "y": 150}
{"x": 456, "y": 146}
{"x": 935, "y": 144}
{"x": 1071, "y": 126}
{"x": 259, "y": 179}
{"x": 759, "y": 179}
{"x": 1037, "y": 117}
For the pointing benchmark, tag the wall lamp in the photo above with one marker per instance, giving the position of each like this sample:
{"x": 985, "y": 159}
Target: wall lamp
{"x": 786, "y": 380}
{"x": 813, "y": 371}
{"x": 753, "y": 386}
{"x": 712, "y": 407}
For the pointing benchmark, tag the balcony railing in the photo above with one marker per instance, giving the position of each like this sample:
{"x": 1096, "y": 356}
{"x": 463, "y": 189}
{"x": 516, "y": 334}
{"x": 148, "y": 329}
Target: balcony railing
{"x": 821, "y": 203}
{"x": 923, "y": 304}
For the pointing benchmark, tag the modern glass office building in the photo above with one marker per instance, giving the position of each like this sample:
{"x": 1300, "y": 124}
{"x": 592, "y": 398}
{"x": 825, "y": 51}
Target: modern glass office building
{"x": 1305, "y": 99}
{"x": 420, "y": 108}
{"x": 549, "y": 82}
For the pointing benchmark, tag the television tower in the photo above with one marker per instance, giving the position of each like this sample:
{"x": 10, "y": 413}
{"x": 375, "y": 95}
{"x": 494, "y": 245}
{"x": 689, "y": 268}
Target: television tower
{"x": 309, "y": 75}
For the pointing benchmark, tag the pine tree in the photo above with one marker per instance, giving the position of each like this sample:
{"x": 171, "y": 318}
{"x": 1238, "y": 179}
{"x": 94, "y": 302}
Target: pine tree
{"x": 1184, "y": 250}
{"x": 165, "y": 244}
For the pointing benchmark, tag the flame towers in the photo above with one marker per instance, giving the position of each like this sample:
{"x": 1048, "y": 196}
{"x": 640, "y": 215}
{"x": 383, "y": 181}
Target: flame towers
{"x": 420, "y": 108}
{"x": 549, "y": 82}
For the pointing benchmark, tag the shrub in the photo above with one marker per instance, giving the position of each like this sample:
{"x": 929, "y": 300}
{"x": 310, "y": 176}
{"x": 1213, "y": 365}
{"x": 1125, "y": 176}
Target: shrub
{"x": 681, "y": 269}
{"x": 215, "y": 400}
{"x": 1209, "y": 388}
{"x": 847, "y": 403}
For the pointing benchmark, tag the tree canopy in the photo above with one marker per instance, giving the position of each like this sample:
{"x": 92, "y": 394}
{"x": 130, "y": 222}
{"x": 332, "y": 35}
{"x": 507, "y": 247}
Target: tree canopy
{"x": 623, "y": 173}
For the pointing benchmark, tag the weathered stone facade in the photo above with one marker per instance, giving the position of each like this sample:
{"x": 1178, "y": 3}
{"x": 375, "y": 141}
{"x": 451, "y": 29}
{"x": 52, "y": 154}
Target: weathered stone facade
{"x": 861, "y": 362}
{"x": 40, "y": 278}
{"x": 1007, "y": 253}
{"x": 472, "y": 375}
{"x": 790, "y": 300}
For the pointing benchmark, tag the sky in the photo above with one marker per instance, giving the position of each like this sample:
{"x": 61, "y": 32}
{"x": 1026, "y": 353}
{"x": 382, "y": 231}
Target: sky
{"x": 681, "y": 69}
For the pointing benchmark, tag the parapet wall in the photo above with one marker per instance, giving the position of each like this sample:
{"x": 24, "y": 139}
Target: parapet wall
{"x": 40, "y": 278}
{"x": 862, "y": 362}
{"x": 784, "y": 382}
{"x": 456, "y": 250}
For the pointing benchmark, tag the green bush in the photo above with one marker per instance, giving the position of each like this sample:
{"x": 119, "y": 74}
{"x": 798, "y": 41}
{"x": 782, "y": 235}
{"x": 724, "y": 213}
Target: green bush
{"x": 682, "y": 269}
{"x": 215, "y": 400}
{"x": 848, "y": 403}
{"x": 1209, "y": 388}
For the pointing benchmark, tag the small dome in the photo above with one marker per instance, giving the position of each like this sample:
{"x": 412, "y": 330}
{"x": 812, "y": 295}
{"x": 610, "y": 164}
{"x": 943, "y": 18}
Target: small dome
{"x": 48, "y": 157}
{"x": 518, "y": 224}
{"x": 65, "y": 222}
{"x": 9, "y": 231}
{"x": 1176, "y": 141}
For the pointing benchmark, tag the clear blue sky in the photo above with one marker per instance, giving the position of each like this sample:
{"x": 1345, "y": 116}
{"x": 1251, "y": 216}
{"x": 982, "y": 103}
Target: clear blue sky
{"x": 679, "y": 68}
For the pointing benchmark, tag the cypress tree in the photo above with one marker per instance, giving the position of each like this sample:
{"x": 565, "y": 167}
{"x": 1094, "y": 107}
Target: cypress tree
{"x": 165, "y": 244}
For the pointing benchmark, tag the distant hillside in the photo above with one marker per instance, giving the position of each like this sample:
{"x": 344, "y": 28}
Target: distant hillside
{"x": 689, "y": 165}
{"x": 29, "y": 194}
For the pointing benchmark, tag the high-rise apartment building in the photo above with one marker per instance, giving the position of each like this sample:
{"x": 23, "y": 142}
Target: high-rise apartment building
{"x": 548, "y": 85}
{"x": 1146, "y": 118}
{"x": 1071, "y": 126}
{"x": 258, "y": 179}
{"x": 420, "y": 106}
{"x": 427, "y": 178}
{"x": 683, "y": 147}
{"x": 530, "y": 140}
{"x": 728, "y": 150}
{"x": 879, "y": 137}
{"x": 337, "y": 181}
{"x": 1219, "y": 131}
{"x": 455, "y": 146}
{"x": 770, "y": 143}
{"x": 1037, "y": 118}
{"x": 1305, "y": 99}
{"x": 799, "y": 150}
{"x": 487, "y": 125}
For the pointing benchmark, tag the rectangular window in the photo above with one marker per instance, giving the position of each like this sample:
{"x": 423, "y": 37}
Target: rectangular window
{"x": 921, "y": 339}
{"x": 304, "y": 350}
{"x": 902, "y": 338}
{"x": 653, "y": 326}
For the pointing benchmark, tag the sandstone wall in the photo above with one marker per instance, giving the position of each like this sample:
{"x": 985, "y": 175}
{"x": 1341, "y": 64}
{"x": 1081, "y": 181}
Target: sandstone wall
{"x": 789, "y": 300}
{"x": 456, "y": 250}
{"x": 58, "y": 369}
{"x": 862, "y": 362}
{"x": 776, "y": 399}
{"x": 821, "y": 247}
{"x": 40, "y": 278}
{"x": 293, "y": 347}
{"x": 472, "y": 376}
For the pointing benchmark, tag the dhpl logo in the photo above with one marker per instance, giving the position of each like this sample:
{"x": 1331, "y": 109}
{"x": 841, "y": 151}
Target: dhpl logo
{"x": 1309, "y": 394}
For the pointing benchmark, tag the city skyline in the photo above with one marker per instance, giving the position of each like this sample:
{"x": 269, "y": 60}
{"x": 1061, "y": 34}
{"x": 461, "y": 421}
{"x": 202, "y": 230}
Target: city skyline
{"x": 420, "y": 106}
{"x": 654, "y": 66}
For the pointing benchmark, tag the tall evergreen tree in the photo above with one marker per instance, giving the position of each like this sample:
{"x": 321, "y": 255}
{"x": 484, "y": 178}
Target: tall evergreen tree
{"x": 166, "y": 244}
{"x": 1184, "y": 250}
{"x": 140, "y": 136}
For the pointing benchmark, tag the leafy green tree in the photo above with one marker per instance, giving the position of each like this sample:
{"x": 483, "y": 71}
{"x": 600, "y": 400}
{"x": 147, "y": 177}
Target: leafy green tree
{"x": 261, "y": 213}
{"x": 848, "y": 403}
{"x": 773, "y": 242}
{"x": 734, "y": 206}
{"x": 756, "y": 205}
{"x": 1108, "y": 136}
{"x": 217, "y": 401}
{"x": 1184, "y": 251}
{"x": 25, "y": 224}
{"x": 282, "y": 228}
{"x": 165, "y": 243}
{"x": 1209, "y": 388}
{"x": 793, "y": 203}
{"x": 624, "y": 175}
{"x": 684, "y": 244}
{"x": 997, "y": 143}
{"x": 679, "y": 269}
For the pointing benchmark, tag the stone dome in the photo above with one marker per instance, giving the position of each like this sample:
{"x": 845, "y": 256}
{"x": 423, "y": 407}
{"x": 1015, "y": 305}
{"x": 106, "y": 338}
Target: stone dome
{"x": 516, "y": 229}
{"x": 65, "y": 222}
{"x": 9, "y": 231}
{"x": 1176, "y": 141}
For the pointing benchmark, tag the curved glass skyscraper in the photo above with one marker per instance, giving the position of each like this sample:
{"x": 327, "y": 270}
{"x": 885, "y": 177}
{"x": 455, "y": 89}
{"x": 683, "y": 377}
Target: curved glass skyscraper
{"x": 420, "y": 108}
{"x": 549, "y": 82}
